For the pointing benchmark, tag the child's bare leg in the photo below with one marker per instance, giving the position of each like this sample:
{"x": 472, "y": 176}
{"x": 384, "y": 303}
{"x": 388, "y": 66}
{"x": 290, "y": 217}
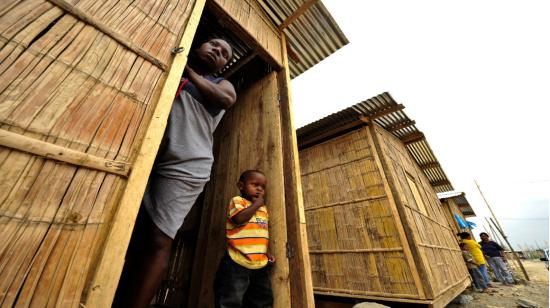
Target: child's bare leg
{"x": 146, "y": 265}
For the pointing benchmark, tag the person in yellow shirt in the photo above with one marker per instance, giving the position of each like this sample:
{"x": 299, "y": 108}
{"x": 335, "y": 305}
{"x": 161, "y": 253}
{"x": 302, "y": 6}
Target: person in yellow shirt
{"x": 242, "y": 279}
{"x": 475, "y": 250}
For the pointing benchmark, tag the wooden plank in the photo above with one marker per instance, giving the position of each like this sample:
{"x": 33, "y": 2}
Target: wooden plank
{"x": 411, "y": 253}
{"x": 401, "y": 125}
{"x": 251, "y": 27}
{"x": 413, "y": 137}
{"x": 429, "y": 165}
{"x": 301, "y": 10}
{"x": 301, "y": 285}
{"x": 331, "y": 134}
{"x": 59, "y": 153}
{"x": 383, "y": 112}
{"x": 356, "y": 250}
{"x": 440, "y": 183}
{"x": 104, "y": 282}
{"x": 450, "y": 294}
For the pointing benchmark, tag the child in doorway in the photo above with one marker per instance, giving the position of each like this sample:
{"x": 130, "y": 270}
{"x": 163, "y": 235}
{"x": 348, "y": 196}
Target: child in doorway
{"x": 242, "y": 279}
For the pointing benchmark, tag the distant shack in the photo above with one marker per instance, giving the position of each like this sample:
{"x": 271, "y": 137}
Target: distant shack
{"x": 455, "y": 204}
{"x": 375, "y": 226}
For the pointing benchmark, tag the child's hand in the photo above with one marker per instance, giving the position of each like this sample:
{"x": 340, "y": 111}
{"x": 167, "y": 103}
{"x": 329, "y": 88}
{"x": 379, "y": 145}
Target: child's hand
{"x": 270, "y": 258}
{"x": 259, "y": 200}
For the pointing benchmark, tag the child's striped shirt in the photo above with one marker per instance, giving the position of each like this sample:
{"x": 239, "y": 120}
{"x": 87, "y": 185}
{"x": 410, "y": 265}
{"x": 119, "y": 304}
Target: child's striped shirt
{"x": 247, "y": 243}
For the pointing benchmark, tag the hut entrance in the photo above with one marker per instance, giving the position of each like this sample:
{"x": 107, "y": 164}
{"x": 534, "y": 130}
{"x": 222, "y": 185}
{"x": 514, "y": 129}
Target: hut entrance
{"x": 249, "y": 137}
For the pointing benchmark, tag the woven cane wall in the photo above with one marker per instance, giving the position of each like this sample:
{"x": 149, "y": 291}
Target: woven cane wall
{"x": 355, "y": 247}
{"x": 66, "y": 82}
{"x": 441, "y": 263}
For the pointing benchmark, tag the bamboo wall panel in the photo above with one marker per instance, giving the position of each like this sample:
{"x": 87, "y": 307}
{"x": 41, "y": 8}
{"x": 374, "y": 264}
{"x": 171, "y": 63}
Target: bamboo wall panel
{"x": 249, "y": 137}
{"x": 355, "y": 246}
{"x": 64, "y": 82}
{"x": 439, "y": 252}
{"x": 253, "y": 20}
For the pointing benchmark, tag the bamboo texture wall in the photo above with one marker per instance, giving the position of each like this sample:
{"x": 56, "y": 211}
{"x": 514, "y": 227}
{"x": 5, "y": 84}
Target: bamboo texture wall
{"x": 82, "y": 76}
{"x": 354, "y": 241}
{"x": 367, "y": 235}
{"x": 438, "y": 256}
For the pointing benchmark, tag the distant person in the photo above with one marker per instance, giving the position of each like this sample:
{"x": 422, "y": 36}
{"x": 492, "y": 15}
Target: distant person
{"x": 242, "y": 279}
{"x": 494, "y": 254}
{"x": 180, "y": 172}
{"x": 475, "y": 249}
{"x": 473, "y": 268}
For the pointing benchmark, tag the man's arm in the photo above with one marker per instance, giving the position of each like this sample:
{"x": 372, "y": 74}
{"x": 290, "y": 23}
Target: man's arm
{"x": 245, "y": 214}
{"x": 220, "y": 95}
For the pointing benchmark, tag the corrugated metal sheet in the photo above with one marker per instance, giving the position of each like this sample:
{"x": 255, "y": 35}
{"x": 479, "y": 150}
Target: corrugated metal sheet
{"x": 313, "y": 36}
{"x": 386, "y": 112}
{"x": 460, "y": 200}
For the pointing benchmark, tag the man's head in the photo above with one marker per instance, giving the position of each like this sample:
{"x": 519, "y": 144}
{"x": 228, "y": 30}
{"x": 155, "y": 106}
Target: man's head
{"x": 214, "y": 54}
{"x": 464, "y": 235}
{"x": 252, "y": 184}
{"x": 484, "y": 237}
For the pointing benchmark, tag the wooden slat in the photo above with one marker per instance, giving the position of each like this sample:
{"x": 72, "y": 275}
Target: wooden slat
{"x": 383, "y": 112}
{"x": 109, "y": 267}
{"x": 290, "y": 19}
{"x": 59, "y": 153}
{"x": 356, "y": 250}
{"x": 413, "y": 137}
{"x": 301, "y": 285}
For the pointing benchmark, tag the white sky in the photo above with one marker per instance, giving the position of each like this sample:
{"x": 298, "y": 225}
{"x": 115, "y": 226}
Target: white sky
{"x": 475, "y": 75}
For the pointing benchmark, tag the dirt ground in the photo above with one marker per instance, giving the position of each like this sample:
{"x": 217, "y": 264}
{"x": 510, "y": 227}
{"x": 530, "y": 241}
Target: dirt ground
{"x": 535, "y": 290}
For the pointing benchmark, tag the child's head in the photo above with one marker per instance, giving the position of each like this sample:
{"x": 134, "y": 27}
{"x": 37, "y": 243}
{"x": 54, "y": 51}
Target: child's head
{"x": 252, "y": 184}
{"x": 464, "y": 235}
{"x": 462, "y": 246}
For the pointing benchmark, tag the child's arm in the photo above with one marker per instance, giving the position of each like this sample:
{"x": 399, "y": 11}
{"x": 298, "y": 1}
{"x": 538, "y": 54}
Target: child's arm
{"x": 245, "y": 215}
{"x": 220, "y": 95}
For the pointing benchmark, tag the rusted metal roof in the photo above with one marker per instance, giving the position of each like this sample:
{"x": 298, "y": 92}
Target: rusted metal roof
{"x": 460, "y": 200}
{"x": 384, "y": 111}
{"x": 311, "y": 37}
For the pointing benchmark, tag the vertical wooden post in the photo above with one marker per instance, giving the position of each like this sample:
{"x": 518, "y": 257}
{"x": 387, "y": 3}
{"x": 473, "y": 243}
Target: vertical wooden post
{"x": 300, "y": 277}
{"x": 501, "y": 231}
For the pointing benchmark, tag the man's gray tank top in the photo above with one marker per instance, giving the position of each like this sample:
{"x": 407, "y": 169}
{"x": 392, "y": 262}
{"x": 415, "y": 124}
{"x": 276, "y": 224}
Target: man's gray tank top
{"x": 186, "y": 149}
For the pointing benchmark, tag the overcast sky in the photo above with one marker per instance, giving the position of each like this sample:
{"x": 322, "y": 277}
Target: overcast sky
{"x": 475, "y": 75}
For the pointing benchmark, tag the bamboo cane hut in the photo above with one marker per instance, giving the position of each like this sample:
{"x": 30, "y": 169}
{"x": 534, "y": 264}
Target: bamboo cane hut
{"x": 454, "y": 203}
{"x": 375, "y": 226}
{"x": 85, "y": 92}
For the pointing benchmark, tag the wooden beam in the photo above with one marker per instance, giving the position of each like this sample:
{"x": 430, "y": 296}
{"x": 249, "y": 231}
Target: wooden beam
{"x": 85, "y": 17}
{"x": 384, "y": 112}
{"x": 332, "y": 133}
{"x": 109, "y": 265}
{"x": 301, "y": 284}
{"x": 290, "y": 19}
{"x": 56, "y": 152}
{"x": 412, "y": 137}
{"x": 440, "y": 183}
{"x": 401, "y": 125}
{"x": 429, "y": 165}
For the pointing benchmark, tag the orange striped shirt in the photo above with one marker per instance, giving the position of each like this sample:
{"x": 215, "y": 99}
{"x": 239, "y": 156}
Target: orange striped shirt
{"x": 247, "y": 243}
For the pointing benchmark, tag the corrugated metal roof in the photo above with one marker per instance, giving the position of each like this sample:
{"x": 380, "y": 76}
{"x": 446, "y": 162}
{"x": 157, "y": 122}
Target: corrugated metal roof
{"x": 389, "y": 114}
{"x": 460, "y": 200}
{"x": 312, "y": 37}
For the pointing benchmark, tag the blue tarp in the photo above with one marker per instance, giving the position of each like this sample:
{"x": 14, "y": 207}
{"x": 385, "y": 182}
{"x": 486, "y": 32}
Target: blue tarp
{"x": 462, "y": 223}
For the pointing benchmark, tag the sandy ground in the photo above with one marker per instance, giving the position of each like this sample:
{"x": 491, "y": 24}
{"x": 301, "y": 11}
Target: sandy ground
{"x": 535, "y": 290}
